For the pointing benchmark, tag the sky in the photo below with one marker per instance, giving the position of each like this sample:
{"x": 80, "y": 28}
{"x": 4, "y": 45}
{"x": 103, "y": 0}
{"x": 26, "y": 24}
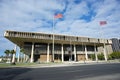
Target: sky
{"x": 80, "y": 18}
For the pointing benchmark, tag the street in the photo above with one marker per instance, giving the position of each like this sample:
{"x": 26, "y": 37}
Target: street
{"x": 109, "y": 71}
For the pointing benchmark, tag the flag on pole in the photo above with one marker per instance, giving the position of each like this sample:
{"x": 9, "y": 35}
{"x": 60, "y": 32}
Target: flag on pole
{"x": 58, "y": 16}
{"x": 103, "y": 23}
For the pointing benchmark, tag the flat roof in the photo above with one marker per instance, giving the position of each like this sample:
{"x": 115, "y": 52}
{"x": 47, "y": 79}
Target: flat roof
{"x": 19, "y": 38}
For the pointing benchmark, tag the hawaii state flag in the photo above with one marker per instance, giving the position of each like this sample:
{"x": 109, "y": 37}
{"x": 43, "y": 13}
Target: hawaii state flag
{"x": 103, "y": 22}
{"x": 58, "y": 16}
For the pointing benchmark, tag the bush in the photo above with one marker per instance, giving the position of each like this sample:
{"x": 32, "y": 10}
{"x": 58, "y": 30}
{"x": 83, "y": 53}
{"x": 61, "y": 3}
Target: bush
{"x": 114, "y": 55}
{"x": 93, "y": 56}
{"x": 101, "y": 56}
{"x": 109, "y": 57}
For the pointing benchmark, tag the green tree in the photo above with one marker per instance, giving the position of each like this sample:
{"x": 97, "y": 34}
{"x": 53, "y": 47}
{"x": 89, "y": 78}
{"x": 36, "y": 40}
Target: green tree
{"x": 12, "y": 52}
{"x": 7, "y": 52}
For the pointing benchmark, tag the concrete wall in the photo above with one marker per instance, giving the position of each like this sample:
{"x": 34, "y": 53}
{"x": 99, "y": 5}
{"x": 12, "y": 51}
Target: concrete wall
{"x": 80, "y": 57}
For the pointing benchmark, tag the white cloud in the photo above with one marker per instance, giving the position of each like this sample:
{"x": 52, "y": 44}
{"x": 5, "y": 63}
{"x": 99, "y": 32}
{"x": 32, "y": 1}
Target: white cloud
{"x": 75, "y": 11}
{"x": 81, "y": 19}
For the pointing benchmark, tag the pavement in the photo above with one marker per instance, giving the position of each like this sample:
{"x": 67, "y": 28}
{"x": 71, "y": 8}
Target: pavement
{"x": 64, "y": 71}
{"x": 44, "y": 65}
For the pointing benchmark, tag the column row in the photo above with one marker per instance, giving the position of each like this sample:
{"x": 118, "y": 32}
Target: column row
{"x": 63, "y": 54}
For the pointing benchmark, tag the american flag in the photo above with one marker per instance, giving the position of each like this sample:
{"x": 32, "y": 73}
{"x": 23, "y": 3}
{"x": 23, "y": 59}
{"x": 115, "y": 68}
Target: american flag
{"x": 58, "y": 16}
{"x": 103, "y": 23}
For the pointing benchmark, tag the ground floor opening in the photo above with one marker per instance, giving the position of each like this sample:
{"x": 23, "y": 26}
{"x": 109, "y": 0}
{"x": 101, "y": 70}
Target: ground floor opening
{"x": 36, "y": 58}
{"x": 68, "y": 57}
{"x": 58, "y": 57}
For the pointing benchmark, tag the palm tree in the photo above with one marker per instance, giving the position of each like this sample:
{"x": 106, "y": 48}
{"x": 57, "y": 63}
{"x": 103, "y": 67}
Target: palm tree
{"x": 7, "y": 52}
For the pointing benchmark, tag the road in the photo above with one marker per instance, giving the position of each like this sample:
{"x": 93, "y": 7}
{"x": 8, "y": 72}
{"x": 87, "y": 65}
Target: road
{"x": 79, "y": 72}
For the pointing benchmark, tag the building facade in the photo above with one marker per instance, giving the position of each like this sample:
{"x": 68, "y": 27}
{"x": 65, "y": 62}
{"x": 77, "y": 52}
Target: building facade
{"x": 115, "y": 44}
{"x": 48, "y": 47}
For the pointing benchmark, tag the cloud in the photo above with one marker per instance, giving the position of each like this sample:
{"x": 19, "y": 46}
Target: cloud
{"x": 75, "y": 11}
{"x": 80, "y": 18}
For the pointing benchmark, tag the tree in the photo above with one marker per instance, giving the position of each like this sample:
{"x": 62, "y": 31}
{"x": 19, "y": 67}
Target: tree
{"x": 7, "y": 53}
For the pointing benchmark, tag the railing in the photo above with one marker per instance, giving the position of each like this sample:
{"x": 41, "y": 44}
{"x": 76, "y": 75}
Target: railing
{"x": 88, "y": 52}
{"x": 57, "y": 37}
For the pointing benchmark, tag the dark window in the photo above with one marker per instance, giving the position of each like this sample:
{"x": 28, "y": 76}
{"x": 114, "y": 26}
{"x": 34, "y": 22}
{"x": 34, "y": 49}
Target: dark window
{"x": 90, "y": 48}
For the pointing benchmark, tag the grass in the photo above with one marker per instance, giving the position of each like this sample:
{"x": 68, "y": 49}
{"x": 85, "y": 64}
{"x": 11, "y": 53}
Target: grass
{"x": 5, "y": 65}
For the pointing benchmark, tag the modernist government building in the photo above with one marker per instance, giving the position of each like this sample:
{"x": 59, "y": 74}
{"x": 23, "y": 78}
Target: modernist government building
{"x": 45, "y": 47}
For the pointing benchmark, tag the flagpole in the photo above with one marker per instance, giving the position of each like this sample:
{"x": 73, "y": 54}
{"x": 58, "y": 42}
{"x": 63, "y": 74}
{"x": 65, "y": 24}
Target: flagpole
{"x": 53, "y": 38}
{"x": 70, "y": 50}
{"x": 104, "y": 50}
{"x": 53, "y": 26}
{"x": 104, "y": 47}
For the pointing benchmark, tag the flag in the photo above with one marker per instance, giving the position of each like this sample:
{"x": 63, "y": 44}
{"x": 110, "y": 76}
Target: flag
{"x": 58, "y": 16}
{"x": 103, "y": 23}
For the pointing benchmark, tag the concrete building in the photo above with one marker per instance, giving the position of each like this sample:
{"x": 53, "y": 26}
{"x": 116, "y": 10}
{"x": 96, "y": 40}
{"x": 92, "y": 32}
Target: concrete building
{"x": 115, "y": 44}
{"x": 41, "y": 46}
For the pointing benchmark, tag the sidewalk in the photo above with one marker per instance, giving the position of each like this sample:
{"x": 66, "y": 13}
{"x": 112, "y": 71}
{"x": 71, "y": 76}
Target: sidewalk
{"x": 44, "y": 65}
{"x": 57, "y": 64}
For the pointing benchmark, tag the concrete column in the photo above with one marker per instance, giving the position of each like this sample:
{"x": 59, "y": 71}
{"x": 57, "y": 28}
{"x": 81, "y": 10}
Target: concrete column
{"x": 74, "y": 53}
{"x": 32, "y": 52}
{"x": 86, "y": 55}
{"x": 21, "y": 57}
{"x": 105, "y": 55}
{"x": 48, "y": 51}
{"x": 62, "y": 53}
{"x": 96, "y": 57}
{"x": 24, "y": 57}
{"x": 18, "y": 60}
{"x": 13, "y": 59}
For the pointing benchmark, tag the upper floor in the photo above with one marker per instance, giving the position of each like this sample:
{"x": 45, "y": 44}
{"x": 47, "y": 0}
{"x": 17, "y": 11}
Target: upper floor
{"x": 21, "y": 37}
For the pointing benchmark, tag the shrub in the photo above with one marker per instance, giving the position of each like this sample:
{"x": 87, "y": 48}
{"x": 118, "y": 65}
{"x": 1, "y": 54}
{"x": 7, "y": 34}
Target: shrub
{"x": 101, "y": 56}
{"x": 93, "y": 56}
{"x": 115, "y": 55}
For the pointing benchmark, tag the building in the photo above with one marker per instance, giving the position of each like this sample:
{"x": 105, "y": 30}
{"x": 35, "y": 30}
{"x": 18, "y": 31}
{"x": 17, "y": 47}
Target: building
{"x": 115, "y": 44}
{"x": 6, "y": 59}
{"x": 42, "y": 47}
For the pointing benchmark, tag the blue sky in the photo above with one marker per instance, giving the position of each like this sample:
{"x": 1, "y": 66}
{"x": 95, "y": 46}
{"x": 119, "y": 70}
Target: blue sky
{"x": 80, "y": 18}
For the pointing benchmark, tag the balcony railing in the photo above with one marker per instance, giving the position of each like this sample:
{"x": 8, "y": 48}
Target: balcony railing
{"x": 57, "y": 37}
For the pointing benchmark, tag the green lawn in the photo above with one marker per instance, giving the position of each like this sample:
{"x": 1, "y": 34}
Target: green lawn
{"x": 5, "y": 65}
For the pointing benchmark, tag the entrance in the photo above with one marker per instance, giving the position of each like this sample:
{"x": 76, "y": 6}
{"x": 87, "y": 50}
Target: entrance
{"x": 68, "y": 57}
{"x": 36, "y": 58}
